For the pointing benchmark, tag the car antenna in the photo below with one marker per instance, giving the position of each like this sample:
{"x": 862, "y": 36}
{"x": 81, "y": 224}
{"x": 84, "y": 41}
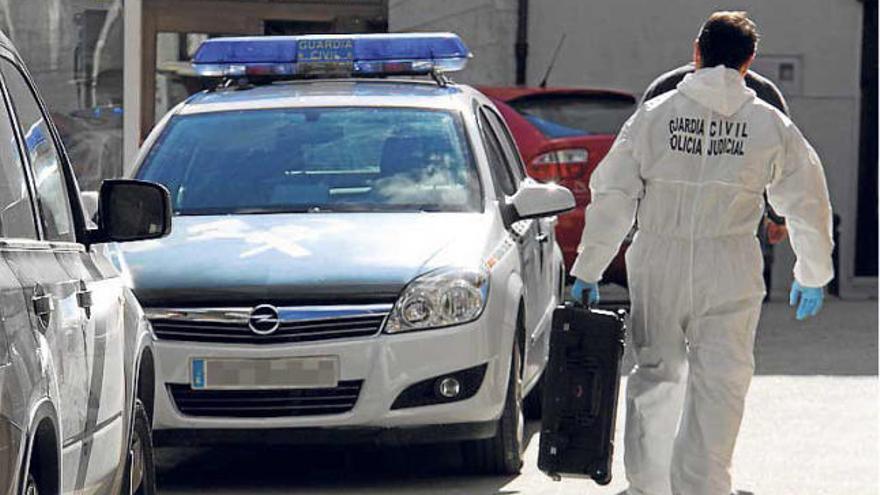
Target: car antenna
{"x": 552, "y": 62}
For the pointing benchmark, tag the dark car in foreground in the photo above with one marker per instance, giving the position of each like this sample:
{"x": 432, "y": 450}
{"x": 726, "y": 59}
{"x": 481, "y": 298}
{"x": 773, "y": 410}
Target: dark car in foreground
{"x": 75, "y": 347}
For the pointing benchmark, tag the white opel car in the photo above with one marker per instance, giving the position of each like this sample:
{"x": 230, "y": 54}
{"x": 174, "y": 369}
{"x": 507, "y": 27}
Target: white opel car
{"x": 353, "y": 257}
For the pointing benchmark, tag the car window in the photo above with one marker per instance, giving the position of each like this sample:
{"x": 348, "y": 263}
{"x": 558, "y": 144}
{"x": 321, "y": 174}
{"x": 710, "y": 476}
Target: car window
{"x": 511, "y": 152}
{"x": 315, "y": 159}
{"x": 566, "y": 115}
{"x": 16, "y": 211}
{"x": 501, "y": 174}
{"x": 43, "y": 155}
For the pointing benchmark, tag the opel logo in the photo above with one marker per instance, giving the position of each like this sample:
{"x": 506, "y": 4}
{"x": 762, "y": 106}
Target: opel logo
{"x": 264, "y": 319}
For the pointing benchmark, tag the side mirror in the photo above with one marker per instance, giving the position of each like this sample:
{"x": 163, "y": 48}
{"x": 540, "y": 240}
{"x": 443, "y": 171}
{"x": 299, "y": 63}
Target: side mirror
{"x": 132, "y": 210}
{"x": 535, "y": 200}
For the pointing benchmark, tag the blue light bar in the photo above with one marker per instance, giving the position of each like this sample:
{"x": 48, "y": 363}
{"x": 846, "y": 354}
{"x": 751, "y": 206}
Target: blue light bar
{"x": 346, "y": 55}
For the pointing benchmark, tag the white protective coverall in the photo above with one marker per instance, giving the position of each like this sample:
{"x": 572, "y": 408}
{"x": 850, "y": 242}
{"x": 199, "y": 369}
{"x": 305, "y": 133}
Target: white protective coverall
{"x": 692, "y": 166}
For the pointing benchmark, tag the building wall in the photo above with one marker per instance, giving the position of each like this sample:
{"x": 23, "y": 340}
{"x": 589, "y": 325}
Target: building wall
{"x": 73, "y": 49}
{"x": 487, "y": 26}
{"x": 624, "y": 44}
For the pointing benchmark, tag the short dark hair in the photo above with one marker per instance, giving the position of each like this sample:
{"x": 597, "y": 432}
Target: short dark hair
{"x": 727, "y": 38}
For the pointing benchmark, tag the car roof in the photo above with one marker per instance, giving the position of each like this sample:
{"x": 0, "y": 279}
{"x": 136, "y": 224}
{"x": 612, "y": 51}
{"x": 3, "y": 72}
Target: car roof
{"x": 332, "y": 92}
{"x": 508, "y": 94}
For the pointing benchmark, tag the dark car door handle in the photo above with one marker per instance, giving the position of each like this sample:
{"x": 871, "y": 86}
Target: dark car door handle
{"x": 542, "y": 237}
{"x": 43, "y": 306}
{"x": 84, "y": 298}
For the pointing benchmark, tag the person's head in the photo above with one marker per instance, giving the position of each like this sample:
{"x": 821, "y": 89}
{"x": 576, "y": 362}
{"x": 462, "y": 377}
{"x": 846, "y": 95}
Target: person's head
{"x": 726, "y": 38}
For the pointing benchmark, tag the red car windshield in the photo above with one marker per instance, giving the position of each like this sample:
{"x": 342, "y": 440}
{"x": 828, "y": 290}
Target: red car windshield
{"x": 566, "y": 115}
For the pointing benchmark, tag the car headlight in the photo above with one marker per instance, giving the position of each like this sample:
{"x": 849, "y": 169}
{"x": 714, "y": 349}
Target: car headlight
{"x": 440, "y": 298}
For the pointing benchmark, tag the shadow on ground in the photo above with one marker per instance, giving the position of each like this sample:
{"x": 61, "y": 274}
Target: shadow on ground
{"x": 315, "y": 470}
{"x": 840, "y": 341}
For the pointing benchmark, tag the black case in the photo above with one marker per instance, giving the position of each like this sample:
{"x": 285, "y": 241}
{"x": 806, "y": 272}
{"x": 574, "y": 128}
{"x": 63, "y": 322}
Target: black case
{"x": 581, "y": 383}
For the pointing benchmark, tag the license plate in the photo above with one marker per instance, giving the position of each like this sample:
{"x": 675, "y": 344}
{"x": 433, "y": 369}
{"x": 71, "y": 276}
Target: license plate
{"x": 225, "y": 373}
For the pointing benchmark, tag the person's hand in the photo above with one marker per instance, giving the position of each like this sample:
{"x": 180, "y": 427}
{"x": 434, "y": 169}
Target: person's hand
{"x": 807, "y": 299}
{"x": 776, "y": 232}
{"x": 591, "y": 289}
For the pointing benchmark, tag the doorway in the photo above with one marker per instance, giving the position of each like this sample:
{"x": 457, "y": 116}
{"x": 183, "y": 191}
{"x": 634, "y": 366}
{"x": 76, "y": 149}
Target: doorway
{"x": 866, "y": 216}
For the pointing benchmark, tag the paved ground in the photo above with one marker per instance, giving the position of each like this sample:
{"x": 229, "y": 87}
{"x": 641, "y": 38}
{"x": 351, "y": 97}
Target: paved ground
{"x": 811, "y": 427}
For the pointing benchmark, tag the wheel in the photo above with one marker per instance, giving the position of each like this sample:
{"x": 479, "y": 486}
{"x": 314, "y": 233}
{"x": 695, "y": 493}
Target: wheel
{"x": 140, "y": 473}
{"x": 30, "y": 486}
{"x": 532, "y": 404}
{"x": 502, "y": 454}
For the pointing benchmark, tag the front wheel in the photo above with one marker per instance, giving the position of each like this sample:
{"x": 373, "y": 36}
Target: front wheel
{"x": 140, "y": 473}
{"x": 503, "y": 453}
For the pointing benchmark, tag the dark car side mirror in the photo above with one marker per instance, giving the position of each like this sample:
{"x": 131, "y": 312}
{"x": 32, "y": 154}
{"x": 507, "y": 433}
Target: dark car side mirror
{"x": 132, "y": 210}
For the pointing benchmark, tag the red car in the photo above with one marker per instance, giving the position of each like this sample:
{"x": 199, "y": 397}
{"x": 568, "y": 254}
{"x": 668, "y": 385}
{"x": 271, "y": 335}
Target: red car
{"x": 563, "y": 134}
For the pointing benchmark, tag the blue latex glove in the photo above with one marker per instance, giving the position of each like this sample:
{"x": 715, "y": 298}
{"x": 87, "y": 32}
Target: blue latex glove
{"x": 810, "y": 300}
{"x": 592, "y": 289}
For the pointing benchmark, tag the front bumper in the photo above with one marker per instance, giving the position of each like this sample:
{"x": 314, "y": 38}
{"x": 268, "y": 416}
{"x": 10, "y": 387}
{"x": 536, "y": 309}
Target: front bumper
{"x": 402, "y": 435}
{"x": 387, "y": 365}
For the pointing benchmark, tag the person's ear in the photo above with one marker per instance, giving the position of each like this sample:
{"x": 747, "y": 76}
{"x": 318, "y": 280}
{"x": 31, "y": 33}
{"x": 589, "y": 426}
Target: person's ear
{"x": 745, "y": 66}
{"x": 698, "y": 58}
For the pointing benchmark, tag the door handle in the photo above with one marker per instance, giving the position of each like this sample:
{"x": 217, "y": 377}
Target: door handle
{"x": 542, "y": 237}
{"x": 84, "y": 298}
{"x": 44, "y": 305}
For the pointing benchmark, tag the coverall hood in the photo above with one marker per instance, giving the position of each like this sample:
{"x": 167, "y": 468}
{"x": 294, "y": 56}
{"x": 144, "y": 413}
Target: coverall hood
{"x": 720, "y": 89}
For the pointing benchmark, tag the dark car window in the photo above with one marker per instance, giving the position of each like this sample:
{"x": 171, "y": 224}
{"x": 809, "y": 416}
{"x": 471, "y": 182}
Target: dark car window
{"x": 315, "y": 159}
{"x": 43, "y": 155}
{"x": 573, "y": 115}
{"x": 508, "y": 145}
{"x": 503, "y": 177}
{"x": 16, "y": 211}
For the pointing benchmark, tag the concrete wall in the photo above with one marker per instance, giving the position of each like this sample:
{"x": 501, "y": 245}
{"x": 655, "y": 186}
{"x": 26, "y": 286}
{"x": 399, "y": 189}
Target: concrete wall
{"x": 624, "y": 44}
{"x": 487, "y": 26}
{"x": 66, "y": 44}
{"x": 48, "y": 34}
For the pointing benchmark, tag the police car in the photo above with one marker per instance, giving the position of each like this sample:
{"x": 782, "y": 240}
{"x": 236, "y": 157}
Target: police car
{"x": 357, "y": 254}
{"x": 76, "y": 363}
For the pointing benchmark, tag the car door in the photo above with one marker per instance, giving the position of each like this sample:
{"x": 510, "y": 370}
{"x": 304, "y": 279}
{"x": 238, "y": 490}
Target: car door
{"x": 524, "y": 232}
{"x": 535, "y": 238}
{"x": 545, "y": 227}
{"x": 76, "y": 301}
{"x": 21, "y": 363}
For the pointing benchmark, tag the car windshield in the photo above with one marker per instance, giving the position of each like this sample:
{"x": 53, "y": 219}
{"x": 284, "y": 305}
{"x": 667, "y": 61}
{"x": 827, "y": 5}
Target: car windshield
{"x": 565, "y": 115}
{"x": 314, "y": 160}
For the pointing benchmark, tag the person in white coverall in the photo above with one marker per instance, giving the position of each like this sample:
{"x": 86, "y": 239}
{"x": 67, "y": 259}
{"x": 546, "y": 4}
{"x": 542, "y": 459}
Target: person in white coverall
{"x": 691, "y": 166}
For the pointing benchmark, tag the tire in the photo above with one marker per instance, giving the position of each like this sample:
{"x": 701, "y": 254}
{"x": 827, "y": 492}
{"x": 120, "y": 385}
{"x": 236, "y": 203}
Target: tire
{"x": 532, "y": 403}
{"x": 140, "y": 465}
{"x": 503, "y": 453}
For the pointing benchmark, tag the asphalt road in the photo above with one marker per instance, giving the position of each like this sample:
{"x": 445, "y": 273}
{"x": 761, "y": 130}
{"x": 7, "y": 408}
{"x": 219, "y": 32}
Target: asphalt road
{"x": 811, "y": 427}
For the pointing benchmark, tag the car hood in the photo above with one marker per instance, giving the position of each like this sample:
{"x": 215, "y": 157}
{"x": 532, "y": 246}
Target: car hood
{"x": 309, "y": 258}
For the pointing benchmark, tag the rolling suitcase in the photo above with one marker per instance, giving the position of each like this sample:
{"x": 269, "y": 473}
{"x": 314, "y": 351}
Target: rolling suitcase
{"x": 581, "y": 383}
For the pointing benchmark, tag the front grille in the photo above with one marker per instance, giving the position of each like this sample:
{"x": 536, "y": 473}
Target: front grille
{"x": 266, "y": 403}
{"x": 288, "y": 332}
